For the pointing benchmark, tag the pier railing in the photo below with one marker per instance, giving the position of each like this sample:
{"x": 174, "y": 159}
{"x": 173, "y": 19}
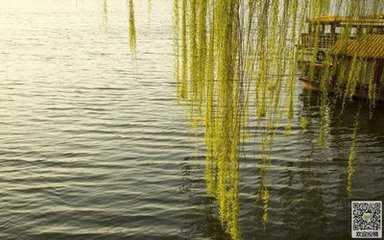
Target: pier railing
{"x": 324, "y": 41}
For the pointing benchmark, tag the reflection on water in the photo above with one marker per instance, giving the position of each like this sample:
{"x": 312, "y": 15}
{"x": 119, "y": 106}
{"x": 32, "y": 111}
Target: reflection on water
{"x": 105, "y": 16}
{"x": 310, "y": 186}
{"x": 149, "y": 10}
{"x": 351, "y": 158}
{"x": 201, "y": 217}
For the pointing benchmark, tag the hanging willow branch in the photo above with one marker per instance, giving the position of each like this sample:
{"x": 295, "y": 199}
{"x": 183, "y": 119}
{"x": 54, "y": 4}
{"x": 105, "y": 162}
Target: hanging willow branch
{"x": 132, "y": 27}
{"x": 233, "y": 54}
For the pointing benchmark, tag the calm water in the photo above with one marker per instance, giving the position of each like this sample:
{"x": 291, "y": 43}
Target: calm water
{"x": 94, "y": 146}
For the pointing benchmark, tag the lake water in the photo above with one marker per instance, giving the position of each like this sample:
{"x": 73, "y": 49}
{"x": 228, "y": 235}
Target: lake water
{"x": 93, "y": 144}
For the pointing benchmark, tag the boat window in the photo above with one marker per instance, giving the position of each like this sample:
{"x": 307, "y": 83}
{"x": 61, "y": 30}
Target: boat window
{"x": 327, "y": 29}
{"x": 364, "y": 30}
{"x": 308, "y": 29}
{"x": 339, "y": 29}
{"x": 353, "y": 32}
{"x": 322, "y": 28}
{"x": 375, "y": 30}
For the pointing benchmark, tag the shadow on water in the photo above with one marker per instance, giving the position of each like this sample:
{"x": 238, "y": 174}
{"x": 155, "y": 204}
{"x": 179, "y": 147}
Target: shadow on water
{"x": 343, "y": 116}
{"x": 105, "y": 17}
{"x": 309, "y": 195}
{"x": 201, "y": 218}
{"x": 308, "y": 184}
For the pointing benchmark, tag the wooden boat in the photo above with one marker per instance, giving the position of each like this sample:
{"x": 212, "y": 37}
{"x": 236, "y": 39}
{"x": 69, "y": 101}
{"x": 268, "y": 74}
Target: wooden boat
{"x": 326, "y": 44}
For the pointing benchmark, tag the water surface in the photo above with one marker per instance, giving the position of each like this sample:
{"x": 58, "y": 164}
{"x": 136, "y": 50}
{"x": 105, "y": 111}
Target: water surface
{"x": 93, "y": 144}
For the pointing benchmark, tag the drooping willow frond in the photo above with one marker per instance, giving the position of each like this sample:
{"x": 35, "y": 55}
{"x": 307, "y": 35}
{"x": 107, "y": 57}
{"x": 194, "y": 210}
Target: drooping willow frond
{"x": 238, "y": 56}
{"x": 132, "y": 27}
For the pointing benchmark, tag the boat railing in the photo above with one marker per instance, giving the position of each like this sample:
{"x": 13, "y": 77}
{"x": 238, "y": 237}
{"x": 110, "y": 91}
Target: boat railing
{"x": 323, "y": 41}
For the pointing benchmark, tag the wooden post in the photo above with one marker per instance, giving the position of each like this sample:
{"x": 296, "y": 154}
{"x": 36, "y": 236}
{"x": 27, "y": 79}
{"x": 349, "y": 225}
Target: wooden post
{"x": 378, "y": 71}
{"x": 333, "y": 31}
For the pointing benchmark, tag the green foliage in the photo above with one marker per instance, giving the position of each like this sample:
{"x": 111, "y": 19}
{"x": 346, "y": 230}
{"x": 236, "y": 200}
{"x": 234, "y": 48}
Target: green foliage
{"x": 132, "y": 27}
{"x": 233, "y": 54}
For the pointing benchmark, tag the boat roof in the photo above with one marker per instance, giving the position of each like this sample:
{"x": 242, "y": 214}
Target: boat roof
{"x": 371, "y": 47}
{"x": 374, "y": 21}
